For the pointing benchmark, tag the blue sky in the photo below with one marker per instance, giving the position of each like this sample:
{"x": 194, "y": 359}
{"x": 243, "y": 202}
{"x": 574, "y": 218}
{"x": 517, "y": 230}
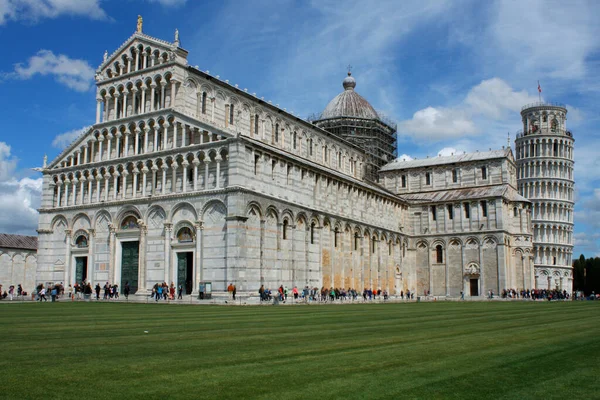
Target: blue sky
{"x": 452, "y": 74}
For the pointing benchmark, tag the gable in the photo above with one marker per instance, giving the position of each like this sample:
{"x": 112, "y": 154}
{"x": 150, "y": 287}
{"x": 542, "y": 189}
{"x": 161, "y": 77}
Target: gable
{"x": 70, "y": 151}
{"x": 136, "y": 51}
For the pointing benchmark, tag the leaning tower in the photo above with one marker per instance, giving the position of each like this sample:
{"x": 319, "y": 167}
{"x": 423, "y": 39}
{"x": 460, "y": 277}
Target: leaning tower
{"x": 544, "y": 153}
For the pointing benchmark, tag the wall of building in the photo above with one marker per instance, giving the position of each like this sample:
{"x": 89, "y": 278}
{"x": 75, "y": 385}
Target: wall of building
{"x": 18, "y": 266}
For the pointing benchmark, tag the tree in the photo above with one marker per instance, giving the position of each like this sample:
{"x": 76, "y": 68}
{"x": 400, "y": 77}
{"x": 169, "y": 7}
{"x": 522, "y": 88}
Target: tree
{"x": 586, "y": 275}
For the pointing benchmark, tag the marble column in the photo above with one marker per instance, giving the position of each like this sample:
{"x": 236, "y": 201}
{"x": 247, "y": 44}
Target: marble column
{"x": 90, "y": 187}
{"x": 67, "y": 279}
{"x": 81, "y": 189}
{"x": 169, "y": 277}
{"x": 155, "y": 142}
{"x": 145, "y": 171}
{"x": 98, "y": 109}
{"x": 184, "y": 179}
{"x": 124, "y": 174}
{"x": 106, "y": 183}
{"x": 174, "y": 177}
{"x": 196, "y": 162}
{"x": 142, "y": 258}
{"x": 111, "y": 260}
{"x": 66, "y": 183}
{"x": 199, "y": 264}
{"x": 206, "y": 165}
{"x": 58, "y": 192}
{"x": 154, "y": 168}
{"x": 135, "y": 182}
{"x": 163, "y": 182}
{"x": 218, "y": 160}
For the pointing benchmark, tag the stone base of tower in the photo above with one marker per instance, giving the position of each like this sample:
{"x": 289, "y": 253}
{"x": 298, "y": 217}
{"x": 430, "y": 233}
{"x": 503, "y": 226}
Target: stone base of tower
{"x": 551, "y": 277}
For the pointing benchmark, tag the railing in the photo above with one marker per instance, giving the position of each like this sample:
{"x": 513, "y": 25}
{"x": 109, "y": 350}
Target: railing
{"x": 543, "y": 104}
{"x": 567, "y": 132}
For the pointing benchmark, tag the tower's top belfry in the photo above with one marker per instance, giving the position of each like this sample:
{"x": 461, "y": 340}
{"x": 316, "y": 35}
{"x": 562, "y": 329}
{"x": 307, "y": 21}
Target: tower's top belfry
{"x": 544, "y": 119}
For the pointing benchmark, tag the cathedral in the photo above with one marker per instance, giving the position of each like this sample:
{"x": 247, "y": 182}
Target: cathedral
{"x": 185, "y": 178}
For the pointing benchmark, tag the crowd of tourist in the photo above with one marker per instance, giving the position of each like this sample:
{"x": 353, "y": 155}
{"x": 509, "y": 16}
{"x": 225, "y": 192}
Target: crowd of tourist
{"x": 165, "y": 292}
{"x": 534, "y": 294}
{"x": 13, "y": 293}
{"x": 324, "y": 295}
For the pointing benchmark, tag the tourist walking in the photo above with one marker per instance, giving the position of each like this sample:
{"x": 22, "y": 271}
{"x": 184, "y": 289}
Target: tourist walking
{"x": 19, "y": 290}
{"x": 180, "y": 292}
{"x": 127, "y": 290}
{"x": 234, "y": 291}
{"x": 159, "y": 291}
{"x": 54, "y": 293}
{"x": 11, "y": 291}
{"x": 42, "y": 294}
{"x": 97, "y": 291}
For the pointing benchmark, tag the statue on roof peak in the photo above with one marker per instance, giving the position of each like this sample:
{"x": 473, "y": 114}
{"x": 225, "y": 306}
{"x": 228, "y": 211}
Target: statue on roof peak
{"x": 140, "y": 21}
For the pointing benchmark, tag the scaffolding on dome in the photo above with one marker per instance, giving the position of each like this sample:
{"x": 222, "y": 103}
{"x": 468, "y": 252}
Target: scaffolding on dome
{"x": 377, "y": 137}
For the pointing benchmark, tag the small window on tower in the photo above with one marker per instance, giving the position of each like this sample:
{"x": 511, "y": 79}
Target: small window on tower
{"x": 433, "y": 213}
{"x": 484, "y": 208}
{"x": 403, "y": 181}
{"x": 454, "y": 176}
{"x": 428, "y": 178}
{"x": 450, "y": 212}
{"x": 483, "y": 172}
{"x": 467, "y": 210}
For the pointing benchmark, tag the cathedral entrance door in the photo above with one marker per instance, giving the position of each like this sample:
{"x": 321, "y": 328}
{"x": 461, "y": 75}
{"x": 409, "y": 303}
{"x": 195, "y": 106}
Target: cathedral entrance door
{"x": 130, "y": 265}
{"x": 474, "y": 286}
{"x": 80, "y": 269}
{"x": 185, "y": 271}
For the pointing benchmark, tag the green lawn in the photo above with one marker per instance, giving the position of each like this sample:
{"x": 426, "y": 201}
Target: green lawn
{"x": 374, "y": 351}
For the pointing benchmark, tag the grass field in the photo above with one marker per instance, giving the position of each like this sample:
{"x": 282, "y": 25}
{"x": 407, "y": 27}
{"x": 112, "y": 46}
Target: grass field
{"x": 374, "y": 351}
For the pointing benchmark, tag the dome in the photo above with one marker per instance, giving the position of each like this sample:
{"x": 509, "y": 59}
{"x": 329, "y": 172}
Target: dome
{"x": 349, "y": 103}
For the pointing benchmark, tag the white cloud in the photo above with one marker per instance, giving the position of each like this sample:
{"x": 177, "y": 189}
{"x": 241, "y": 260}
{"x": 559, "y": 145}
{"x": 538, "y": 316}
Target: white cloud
{"x": 35, "y": 10}
{"x": 448, "y": 151}
{"x": 492, "y": 98}
{"x": 65, "y": 139}
{"x": 404, "y": 157}
{"x": 20, "y": 198}
{"x": 575, "y": 115}
{"x": 75, "y": 74}
{"x": 169, "y": 3}
{"x": 8, "y": 164}
{"x": 438, "y": 123}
